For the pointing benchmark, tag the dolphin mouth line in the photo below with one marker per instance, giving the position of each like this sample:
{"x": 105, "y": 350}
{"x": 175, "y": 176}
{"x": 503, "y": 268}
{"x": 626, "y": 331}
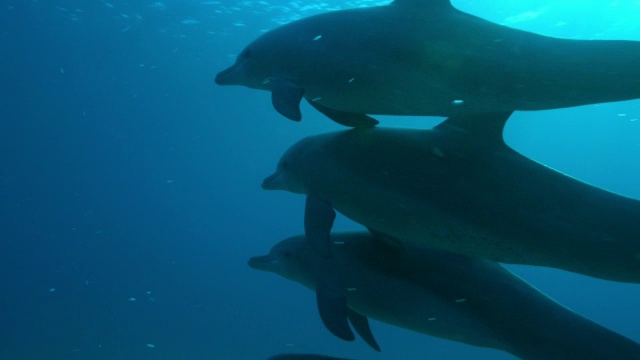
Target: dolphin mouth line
{"x": 226, "y": 77}
{"x": 270, "y": 182}
{"x": 253, "y": 262}
{"x": 261, "y": 262}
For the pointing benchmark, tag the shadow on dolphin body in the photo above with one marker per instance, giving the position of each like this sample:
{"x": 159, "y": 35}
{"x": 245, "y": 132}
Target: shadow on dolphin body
{"x": 459, "y": 188}
{"x": 468, "y": 300}
{"x": 417, "y": 57}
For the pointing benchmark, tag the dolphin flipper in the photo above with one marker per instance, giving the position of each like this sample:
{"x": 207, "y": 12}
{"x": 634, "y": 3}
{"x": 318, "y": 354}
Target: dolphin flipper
{"x": 285, "y": 98}
{"x": 318, "y": 221}
{"x": 345, "y": 118}
{"x": 333, "y": 312}
{"x": 361, "y": 324}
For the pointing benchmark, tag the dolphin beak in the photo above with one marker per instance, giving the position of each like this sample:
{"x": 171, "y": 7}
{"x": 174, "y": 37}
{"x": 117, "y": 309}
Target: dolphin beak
{"x": 274, "y": 182}
{"x": 265, "y": 263}
{"x": 230, "y": 76}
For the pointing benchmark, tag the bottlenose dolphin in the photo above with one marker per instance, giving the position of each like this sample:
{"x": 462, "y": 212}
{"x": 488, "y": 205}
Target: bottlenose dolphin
{"x": 459, "y": 187}
{"x": 424, "y": 57}
{"x": 442, "y": 294}
{"x": 304, "y": 357}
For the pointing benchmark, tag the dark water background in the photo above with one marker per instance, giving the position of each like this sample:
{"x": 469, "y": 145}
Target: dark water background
{"x": 129, "y": 183}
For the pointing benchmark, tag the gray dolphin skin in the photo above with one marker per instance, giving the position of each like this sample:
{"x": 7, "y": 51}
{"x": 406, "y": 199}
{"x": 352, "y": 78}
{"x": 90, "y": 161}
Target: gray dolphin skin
{"x": 463, "y": 299}
{"x": 458, "y": 187}
{"x": 424, "y": 57}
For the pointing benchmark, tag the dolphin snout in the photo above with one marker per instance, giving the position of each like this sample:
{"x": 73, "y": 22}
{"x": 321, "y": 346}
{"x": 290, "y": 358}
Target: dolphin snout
{"x": 273, "y": 182}
{"x": 266, "y": 262}
{"x": 230, "y": 76}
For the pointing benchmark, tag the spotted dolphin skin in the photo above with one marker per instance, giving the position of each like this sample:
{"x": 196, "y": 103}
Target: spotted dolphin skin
{"x": 463, "y": 299}
{"x": 459, "y": 188}
{"x": 424, "y": 57}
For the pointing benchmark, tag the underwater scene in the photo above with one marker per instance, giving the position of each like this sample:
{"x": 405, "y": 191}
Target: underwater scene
{"x": 456, "y": 179}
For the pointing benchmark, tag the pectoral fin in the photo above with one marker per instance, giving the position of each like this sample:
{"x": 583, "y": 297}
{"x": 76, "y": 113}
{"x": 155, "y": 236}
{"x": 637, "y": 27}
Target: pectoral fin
{"x": 285, "y": 97}
{"x": 318, "y": 221}
{"x": 345, "y": 118}
{"x": 333, "y": 312}
{"x": 361, "y": 324}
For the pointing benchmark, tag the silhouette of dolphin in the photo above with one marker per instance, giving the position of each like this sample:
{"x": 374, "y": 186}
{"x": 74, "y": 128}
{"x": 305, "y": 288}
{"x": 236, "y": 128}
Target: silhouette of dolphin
{"x": 424, "y": 57}
{"x": 442, "y": 294}
{"x": 460, "y": 188}
{"x": 304, "y": 357}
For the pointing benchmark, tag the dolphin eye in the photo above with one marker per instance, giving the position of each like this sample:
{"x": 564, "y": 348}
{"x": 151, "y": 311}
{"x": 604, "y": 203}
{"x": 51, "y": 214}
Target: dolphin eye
{"x": 284, "y": 165}
{"x": 286, "y": 254}
{"x": 246, "y": 54}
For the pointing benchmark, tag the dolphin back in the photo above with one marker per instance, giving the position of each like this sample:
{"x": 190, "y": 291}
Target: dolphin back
{"x": 304, "y": 357}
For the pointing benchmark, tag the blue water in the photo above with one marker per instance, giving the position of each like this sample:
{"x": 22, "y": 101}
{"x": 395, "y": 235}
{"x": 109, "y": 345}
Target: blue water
{"x": 129, "y": 183}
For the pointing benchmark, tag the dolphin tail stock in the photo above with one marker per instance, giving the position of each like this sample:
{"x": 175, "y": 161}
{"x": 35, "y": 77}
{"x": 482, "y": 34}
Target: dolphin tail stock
{"x": 580, "y": 339}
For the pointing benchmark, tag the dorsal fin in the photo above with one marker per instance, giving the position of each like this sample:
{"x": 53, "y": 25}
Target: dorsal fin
{"x": 424, "y": 4}
{"x": 483, "y": 127}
